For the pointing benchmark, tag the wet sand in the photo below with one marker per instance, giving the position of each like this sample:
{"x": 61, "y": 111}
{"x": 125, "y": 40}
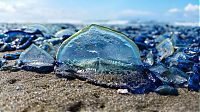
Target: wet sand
{"x": 28, "y": 91}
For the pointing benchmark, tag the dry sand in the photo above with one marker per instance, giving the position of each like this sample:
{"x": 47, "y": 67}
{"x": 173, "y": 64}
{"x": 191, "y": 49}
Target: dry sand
{"x": 28, "y": 91}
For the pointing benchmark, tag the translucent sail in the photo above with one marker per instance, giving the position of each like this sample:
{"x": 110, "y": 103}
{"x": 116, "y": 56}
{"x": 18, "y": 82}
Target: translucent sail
{"x": 99, "y": 48}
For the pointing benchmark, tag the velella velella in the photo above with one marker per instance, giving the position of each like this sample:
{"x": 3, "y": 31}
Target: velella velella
{"x": 36, "y": 59}
{"x": 150, "y": 58}
{"x": 101, "y": 55}
{"x": 165, "y": 49}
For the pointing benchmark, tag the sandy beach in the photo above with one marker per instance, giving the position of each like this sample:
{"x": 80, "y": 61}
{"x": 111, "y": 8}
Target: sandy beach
{"x": 27, "y": 91}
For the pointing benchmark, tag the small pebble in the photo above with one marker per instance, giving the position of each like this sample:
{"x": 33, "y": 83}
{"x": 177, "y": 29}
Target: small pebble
{"x": 122, "y": 91}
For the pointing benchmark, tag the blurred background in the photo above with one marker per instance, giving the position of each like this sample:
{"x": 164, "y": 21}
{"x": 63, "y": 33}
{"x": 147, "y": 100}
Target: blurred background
{"x": 102, "y": 11}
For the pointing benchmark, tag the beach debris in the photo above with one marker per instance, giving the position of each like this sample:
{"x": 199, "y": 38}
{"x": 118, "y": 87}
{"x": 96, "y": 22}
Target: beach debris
{"x": 37, "y": 60}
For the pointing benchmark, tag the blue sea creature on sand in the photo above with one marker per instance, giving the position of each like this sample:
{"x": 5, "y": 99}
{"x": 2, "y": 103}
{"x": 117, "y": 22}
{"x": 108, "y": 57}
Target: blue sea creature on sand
{"x": 100, "y": 45}
{"x": 165, "y": 49}
{"x": 95, "y": 43}
{"x": 36, "y": 59}
{"x": 103, "y": 56}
